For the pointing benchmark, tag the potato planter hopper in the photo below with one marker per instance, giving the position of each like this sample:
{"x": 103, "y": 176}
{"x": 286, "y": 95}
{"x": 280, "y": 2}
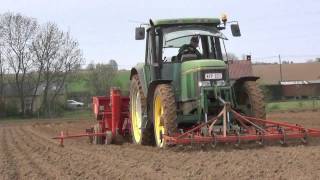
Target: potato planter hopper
{"x": 112, "y": 115}
{"x": 229, "y": 126}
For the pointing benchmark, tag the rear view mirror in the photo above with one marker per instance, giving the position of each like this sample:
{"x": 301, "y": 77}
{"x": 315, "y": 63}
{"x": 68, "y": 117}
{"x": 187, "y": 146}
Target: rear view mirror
{"x": 140, "y": 33}
{"x": 235, "y": 29}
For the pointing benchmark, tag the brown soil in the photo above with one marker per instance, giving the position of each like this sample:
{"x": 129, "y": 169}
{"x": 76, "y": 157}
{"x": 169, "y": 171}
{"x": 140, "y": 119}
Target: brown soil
{"x": 28, "y": 152}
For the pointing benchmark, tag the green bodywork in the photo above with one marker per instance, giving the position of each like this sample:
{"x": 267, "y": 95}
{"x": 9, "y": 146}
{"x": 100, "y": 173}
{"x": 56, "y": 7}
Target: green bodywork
{"x": 190, "y": 73}
{"x": 184, "y": 78}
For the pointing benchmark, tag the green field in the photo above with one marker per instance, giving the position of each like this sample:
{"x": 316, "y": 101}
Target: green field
{"x": 79, "y": 82}
{"x": 293, "y": 105}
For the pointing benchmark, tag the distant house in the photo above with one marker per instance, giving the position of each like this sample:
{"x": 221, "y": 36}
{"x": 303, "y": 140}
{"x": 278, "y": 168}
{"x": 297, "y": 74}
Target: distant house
{"x": 299, "y": 80}
{"x": 11, "y": 96}
{"x": 240, "y": 68}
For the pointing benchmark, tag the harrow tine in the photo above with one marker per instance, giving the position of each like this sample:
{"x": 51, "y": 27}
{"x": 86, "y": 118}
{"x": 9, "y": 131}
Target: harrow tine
{"x": 237, "y": 144}
{"x": 214, "y": 142}
{"x": 305, "y": 138}
{"x": 261, "y": 141}
{"x": 284, "y": 140}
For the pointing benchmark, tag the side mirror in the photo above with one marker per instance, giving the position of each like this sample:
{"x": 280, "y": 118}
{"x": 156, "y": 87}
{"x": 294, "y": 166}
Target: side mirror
{"x": 235, "y": 29}
{"x": 140, "y": 33}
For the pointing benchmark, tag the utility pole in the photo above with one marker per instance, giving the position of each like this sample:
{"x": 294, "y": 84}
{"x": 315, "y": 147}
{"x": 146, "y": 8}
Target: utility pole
{"x": 280, "y": 68}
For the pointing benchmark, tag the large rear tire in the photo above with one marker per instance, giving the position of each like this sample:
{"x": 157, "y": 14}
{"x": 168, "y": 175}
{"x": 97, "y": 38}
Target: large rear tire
{"x": 251, "y": 100}
{"x": 138, "y": 105}
{"x": 164, "y": 113}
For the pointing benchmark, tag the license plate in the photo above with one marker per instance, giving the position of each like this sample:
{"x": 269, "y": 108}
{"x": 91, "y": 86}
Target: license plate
{"x": 213, "y": 76}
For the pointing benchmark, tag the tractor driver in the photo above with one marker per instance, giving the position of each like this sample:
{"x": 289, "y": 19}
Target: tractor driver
{"x": 190, "y": 48}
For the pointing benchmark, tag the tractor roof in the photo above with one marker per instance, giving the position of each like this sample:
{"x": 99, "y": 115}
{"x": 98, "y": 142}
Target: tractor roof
{"x": 163, "y": 22}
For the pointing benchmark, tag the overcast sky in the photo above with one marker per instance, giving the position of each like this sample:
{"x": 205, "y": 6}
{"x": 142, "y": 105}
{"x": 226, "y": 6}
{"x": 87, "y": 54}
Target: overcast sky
{"x": 105, "y": 29}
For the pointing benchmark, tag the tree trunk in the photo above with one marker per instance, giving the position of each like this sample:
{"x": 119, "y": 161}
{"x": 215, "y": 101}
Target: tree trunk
{"x": 34, "y": 95}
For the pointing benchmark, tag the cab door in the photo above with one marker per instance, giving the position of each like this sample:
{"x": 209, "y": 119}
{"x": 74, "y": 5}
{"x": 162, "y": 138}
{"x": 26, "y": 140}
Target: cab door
{"x": 151, "y": 68}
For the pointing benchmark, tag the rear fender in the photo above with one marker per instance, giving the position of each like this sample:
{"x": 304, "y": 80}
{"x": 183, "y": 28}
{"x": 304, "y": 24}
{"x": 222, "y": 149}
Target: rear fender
{"x": 139, "y": 71}
{"x": 240, "y": 81}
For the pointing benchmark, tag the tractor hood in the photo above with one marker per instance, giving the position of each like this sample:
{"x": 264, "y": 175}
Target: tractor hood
{"x": 198, "y": 73}
{"x": 201, "y": 64}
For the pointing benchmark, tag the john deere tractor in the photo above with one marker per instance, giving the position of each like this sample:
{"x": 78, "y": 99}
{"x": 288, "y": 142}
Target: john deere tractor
{"x": 185, "y": 79}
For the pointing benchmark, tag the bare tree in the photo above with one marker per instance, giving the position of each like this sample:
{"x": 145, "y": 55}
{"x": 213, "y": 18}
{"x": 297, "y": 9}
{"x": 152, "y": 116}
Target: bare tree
{"x": 2, "y": 74}
{"x": 56, "y": 55}
{"x": 17, "y": 34}
{"x": 230, "y": 56}
{"x": 44, "y": 49}
{"x": 101, "y": 78}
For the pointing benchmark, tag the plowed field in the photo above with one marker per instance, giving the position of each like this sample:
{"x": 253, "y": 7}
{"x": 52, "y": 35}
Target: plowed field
{"x": 28, "y": 152}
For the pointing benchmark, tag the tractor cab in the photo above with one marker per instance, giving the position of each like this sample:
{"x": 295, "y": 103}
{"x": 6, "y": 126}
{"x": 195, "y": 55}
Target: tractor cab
{"x": 187, "y": 53}
{"x": 179, "y": 40}
{"x": 191, "y": 42}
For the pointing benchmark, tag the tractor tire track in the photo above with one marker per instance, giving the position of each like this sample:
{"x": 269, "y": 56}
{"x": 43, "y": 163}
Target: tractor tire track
{"x": 10, "y": 168}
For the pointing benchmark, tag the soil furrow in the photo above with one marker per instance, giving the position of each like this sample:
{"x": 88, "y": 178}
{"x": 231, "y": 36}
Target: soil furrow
{"x": 36, "y": 154}
{"x": 27, "y": 166}
{"x": 10, "y": 170}
{"x": 28, "y": 152}
{"x": 71, "y": 163}
{"x": 120, "y": 163}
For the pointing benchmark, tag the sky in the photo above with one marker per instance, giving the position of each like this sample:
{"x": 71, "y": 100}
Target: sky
{"x": 105, "y": 28}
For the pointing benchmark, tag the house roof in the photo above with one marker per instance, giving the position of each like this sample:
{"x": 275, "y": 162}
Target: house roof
{"x": 10, "y": 90}
{"x": 270, "y": 73}
{"x": 240, "y": 68}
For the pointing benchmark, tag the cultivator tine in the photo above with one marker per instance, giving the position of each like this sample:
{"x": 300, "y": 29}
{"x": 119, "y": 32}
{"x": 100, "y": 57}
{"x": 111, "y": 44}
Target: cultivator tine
{"x": 305, "y": 138}
{"x": 237, "y": 144}
{"x": 192, "y": 139}
{"x": 284, "y": 139}
{"x": 261, "y": 141}
{"x": 214, "y": 142}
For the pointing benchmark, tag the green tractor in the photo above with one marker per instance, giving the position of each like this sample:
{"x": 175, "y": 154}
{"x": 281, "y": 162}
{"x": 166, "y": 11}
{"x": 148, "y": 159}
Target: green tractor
{"x": 185, "y": 80}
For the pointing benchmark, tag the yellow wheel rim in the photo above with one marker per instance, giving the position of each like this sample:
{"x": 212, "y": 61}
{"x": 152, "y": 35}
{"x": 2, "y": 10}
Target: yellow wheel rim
{"x": 158, "y": 126}
{"x": 136, "y": 116}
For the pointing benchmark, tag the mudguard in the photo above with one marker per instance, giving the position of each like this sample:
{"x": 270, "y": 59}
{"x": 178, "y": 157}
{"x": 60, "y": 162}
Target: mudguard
{"x": 139, "y": 70}
{"x": 245, "y": 78}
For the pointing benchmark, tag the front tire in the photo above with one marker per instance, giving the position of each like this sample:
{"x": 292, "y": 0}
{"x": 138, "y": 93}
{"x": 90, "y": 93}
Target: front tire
{"x": 164, "y": 113}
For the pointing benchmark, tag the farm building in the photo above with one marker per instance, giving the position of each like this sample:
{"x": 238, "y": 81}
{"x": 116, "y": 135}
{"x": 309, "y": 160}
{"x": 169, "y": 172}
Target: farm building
{"x": 11, "y": 99}
{"x": 300, "y": 80}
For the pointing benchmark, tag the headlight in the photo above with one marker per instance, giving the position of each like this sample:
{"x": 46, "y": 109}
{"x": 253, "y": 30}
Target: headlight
{"x": 204, "y": 83}
{"x": 221, "y": 83}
